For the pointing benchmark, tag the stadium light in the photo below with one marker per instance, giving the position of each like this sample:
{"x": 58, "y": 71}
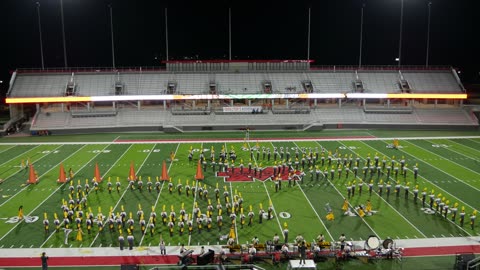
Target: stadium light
{"x": 40, "y": 35}
{"x": 401, "y": 34}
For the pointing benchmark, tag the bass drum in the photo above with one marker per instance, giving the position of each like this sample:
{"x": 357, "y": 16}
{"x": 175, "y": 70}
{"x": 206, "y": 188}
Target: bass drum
{"x": 387, "y": 243}
{"x": 373, "y": 242}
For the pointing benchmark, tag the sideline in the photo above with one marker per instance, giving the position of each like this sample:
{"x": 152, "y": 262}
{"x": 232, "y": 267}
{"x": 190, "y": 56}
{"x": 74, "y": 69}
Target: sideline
{"x": 286, "y": 139}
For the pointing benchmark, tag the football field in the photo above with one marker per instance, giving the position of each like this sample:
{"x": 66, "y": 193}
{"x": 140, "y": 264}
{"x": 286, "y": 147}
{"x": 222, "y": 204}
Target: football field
{"x": 448, "y": 169}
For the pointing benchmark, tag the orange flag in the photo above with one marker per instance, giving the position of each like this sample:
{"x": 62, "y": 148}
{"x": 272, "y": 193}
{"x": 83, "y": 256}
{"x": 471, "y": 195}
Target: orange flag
{"x": 32, "y": 178}
{"x": 131, "y": 175}
{"x": 62, "y": 178}
{"x": 199, "y": 174}
{"x": 97, "y": 175}
{"x": 164, "y": 176}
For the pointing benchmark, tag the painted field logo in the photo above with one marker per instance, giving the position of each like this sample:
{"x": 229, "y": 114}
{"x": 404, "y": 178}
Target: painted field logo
{"x": 28, "y": 219}
{"x": 284, "y": 215}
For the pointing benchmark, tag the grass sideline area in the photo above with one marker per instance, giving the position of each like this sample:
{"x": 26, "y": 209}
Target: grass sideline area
{"x": 448, "y": 167}
{"x": 108, "y": 137}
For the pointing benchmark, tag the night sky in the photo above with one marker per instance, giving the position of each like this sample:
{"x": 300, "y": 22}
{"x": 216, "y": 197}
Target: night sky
{"x": 261, "y": 29}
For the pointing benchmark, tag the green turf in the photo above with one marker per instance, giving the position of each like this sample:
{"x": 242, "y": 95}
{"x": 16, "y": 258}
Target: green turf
{"x": 446, "y": 166}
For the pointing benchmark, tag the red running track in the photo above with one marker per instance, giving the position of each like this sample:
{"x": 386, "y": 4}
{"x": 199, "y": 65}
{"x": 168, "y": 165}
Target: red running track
{"x": 173, "y": 259}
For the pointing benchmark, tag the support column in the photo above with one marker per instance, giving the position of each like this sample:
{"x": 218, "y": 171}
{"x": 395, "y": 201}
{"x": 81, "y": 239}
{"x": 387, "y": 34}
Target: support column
{"x": 139, "y": 105}
{"x": 273, "y": 103}
{"x": 113, "y": 105}
{"x": 435, "y": 104}
{"x": 315, "y": 103}
{"x": 287, "y": 104}
{"x": 88, "y": 106}
{"x": 63, "y": 107}
{"x": 388, "y": 103}
{"x": 339, "y": 103}
{"x": 209, "y": 105}
{"x": 37, "y": 106}
{"x": 249, "y": 102}
{"x": 164, "y": 105}
{"x": 364, "y": 103}
{"x": 193, "y": 104}
{"x": 231, "y": 102}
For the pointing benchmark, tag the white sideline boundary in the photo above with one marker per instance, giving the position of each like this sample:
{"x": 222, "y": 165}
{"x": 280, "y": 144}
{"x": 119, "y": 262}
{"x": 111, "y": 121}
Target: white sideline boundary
{"x": 284, "y": 139}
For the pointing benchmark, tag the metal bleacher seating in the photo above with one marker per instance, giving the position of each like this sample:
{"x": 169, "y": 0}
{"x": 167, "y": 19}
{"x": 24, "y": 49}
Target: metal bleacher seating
{"x": 332, "y": 82}
{"x": 40, "y": 85}
{"x": 192, "y": 83}
{"x": 432, "y": 82}
{"x": 288, "y": 83}
{"x": 145, "y": 83}
{"x": 239, "y": 83}
{"x": 184, "y": 114}
{"x": 451, "y": 116}
{"x": 95, "y": 84}
{"x": 380, "y": 82}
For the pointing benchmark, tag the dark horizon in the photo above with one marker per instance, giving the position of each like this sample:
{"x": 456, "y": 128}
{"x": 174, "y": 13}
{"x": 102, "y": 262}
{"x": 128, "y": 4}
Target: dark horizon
{"x": 266, "y": 30}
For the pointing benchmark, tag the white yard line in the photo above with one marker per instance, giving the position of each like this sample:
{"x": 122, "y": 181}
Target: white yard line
{"x": 13, "y": 174}
{"x": 193, "y": 207}
{"x": 126, "y": 189}
{"x": 315, "y": 211}
{"x": 51, "y": 194}
{"x": 426, "y": 180}
{"x": 86, "y": 194}
{"x": 158, "y": 196}
{"x": 194, "y": 197}
{"x": 269, "y": 198}
{"x": 443, "y": 191}
{"x": 437, "y": 168}
{"x": 466, "y": 146}
{"x": 287, "y": 139}
{"x": 21, "y": 154}
{"x": 18, "y": 223}
{"x": 274, "y": 211}
{"x": 12, "y": 146}
{"x": 468, "y": 157}
{"x": 366, "y": 223}
{"x": 383, "y": 199}
{"x": 26, "y": 186}
{"x": 471, "y": 139}
{"x": 231, "y": 198}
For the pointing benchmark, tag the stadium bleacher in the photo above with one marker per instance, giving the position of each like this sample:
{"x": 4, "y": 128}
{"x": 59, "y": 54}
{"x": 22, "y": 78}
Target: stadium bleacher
{"x": 275, "y": 113}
